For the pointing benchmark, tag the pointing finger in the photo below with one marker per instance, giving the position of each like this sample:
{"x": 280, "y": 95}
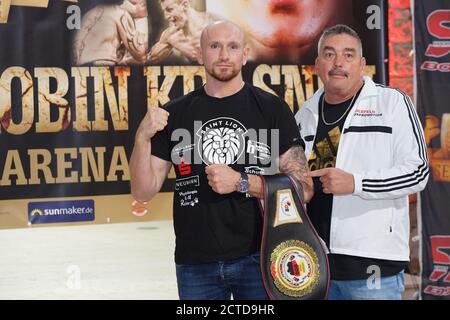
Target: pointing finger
{"x": 318, "y": 173}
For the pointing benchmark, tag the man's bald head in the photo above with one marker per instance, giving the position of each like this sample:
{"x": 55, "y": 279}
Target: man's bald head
{"x": 222, "y": 25}
{"x": 223, "y": 51}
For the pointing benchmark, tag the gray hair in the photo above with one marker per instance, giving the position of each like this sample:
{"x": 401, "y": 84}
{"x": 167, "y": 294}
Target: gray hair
{"x": 340, "y": 29}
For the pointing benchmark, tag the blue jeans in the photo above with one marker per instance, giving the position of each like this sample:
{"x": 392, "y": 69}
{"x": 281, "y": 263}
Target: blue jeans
{"x": 388, "y": 288}
{"x": 240, "y": 278}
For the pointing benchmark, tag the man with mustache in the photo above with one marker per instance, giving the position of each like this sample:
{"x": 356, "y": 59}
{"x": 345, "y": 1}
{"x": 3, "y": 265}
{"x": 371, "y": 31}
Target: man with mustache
{"x": 366, "y": 152}
{"x": 217, "y": 220}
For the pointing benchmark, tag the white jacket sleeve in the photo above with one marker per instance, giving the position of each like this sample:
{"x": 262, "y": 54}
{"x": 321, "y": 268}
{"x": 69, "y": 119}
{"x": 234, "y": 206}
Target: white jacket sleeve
{"x": 410, "y": 171}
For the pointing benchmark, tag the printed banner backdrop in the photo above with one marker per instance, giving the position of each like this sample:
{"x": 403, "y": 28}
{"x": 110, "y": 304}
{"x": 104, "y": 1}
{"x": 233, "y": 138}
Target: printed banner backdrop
{"x": 76, "y": 78}
{"x": 432, "y": 41}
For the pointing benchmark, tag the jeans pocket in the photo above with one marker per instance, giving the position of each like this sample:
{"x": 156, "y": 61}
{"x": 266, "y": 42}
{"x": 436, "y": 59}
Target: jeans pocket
{"x": 255, "y": 257}
{"x": 401, "y": 281}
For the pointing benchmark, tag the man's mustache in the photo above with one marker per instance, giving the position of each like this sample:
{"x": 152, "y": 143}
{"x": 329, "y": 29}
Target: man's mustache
{"x": 338, "y": 72}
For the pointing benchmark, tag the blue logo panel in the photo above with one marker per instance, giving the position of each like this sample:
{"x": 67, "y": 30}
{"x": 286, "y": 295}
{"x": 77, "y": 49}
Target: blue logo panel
{"x": 61, "y": 211}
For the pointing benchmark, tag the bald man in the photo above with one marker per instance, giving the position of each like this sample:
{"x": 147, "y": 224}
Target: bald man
{"x": 220, "y": 140}
{"x": 182, "y": 37}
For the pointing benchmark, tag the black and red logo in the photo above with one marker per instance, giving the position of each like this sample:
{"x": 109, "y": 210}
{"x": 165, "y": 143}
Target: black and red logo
{"x": 440, "y": 276}
{"x": 184, "y": 168}
{"x": 438, "y": 25}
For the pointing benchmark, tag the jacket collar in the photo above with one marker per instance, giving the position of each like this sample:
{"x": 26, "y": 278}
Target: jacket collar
{"x": 369, "y": 89}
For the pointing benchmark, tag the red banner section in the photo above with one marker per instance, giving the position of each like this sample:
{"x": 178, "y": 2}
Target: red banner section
{"x": 432, "y": 48}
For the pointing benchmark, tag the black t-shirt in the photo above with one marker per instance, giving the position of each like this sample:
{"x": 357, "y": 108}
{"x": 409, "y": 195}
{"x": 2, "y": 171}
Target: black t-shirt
{"x": 234, "y": 130}
{"x": 325, "y": 147}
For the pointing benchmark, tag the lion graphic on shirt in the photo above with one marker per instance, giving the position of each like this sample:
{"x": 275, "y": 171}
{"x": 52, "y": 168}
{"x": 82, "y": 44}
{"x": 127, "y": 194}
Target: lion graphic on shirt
{"x": 221, "y": 146}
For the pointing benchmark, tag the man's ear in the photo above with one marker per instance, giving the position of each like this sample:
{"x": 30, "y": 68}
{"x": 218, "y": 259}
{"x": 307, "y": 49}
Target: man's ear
{"x": 316, "y": 66}
{"x": 245, "y": 55}
{"x": 198, "y": 52}
{"x": 363, "y": 65}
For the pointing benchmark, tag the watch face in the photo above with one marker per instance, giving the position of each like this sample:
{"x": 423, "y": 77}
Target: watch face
{"x": 243, "y": 186}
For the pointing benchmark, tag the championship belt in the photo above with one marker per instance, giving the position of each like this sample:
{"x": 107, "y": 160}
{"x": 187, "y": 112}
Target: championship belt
{"x": 294, "y": 264}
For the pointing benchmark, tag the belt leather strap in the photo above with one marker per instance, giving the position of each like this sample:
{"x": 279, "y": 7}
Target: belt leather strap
{"x": 294, "y": 264}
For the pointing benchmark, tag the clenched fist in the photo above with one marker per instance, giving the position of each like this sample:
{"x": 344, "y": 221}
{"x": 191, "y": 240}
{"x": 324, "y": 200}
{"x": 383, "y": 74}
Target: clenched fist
{"x": 222, "y": 178}
{"x": 155, "y": 120}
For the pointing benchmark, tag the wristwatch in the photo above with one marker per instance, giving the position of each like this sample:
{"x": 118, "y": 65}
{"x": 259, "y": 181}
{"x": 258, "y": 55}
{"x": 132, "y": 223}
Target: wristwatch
{"x": 242, "y": 185}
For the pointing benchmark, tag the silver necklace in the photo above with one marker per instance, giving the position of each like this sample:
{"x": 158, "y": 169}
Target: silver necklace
{"x": 334, "y": 122}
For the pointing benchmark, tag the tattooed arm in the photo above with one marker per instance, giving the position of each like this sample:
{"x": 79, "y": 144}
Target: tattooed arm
{"x": 223, "y": 179}
{"x": 293, "y": 162}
